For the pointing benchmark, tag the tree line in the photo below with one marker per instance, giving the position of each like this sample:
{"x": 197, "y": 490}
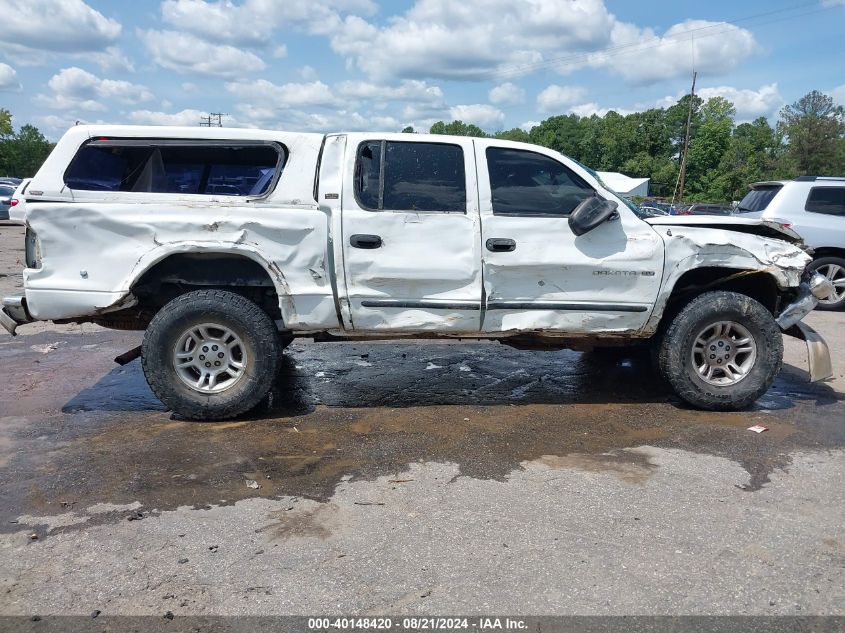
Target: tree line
{"x": 21, "y": 152}
{"x": 724, "y": 157}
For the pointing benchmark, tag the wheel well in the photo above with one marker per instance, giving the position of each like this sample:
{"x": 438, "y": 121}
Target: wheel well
{"x": 828, "y": 251}
{"x": 753, "y": 283}
{"x": 183, "y": 272}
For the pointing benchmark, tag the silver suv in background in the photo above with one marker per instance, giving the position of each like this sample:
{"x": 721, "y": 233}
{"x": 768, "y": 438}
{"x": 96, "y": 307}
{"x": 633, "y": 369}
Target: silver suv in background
{"x": 814, "y": 207}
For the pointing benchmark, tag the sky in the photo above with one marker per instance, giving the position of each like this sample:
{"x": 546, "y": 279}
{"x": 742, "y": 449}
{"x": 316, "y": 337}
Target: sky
{"x": 381, "y": 65}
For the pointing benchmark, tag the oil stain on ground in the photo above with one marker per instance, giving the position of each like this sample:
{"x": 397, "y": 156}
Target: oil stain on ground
{"x": 364, "y": 411}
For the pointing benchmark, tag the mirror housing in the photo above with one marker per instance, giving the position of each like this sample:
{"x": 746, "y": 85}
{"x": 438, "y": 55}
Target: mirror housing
{"x": 590, "y": 213}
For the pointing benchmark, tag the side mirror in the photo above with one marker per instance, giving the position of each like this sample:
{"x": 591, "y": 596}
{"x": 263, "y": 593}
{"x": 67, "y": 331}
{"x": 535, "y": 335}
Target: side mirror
{"x": 590, "y": 213}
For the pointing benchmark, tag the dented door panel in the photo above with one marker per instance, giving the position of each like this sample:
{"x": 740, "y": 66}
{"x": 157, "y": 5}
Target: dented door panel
{"x": 605, "y": 281}
{"x": 425, "y": 273}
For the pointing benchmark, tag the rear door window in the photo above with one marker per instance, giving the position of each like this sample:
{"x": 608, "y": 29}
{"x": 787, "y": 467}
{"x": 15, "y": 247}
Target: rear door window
{"x": 408, "y": 176}
{"x": 827, "y": 200}
{"x": 181, "y": 167}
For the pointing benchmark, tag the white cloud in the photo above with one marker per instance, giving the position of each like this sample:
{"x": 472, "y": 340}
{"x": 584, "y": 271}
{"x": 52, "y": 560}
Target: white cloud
{"x": 554, "y": 97}
{"x": 271, "y": 96}
{"x": 186, "y": 53}
{"x": 307, "y": 73}
{"x": 65, "y": 26}
{"x": 507, "y": 94}
{"x": 833, "y": 3}
{"x": 645, "y": 57}
{"x": 487, "y": 38}
{"x": 9, "y": 79}
{"x": 483, "y": 115}
{"x": 526, "y": 127}
{"x": 74, "y": 88}
{"x": 447, "y": 39}
{"x": 149, "y": 117}
{"x": 589, "y": 109}
{"x": 254, "y": 22}
{"x": 749, "y": 104}
{"x": 109, "y": 60}
{"x": 838, "y": 94}
{"x": 310, "y": 121}
{"x": 407, "y": 90}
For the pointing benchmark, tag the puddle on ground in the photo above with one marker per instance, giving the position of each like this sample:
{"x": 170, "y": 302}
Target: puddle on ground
{"x": 487, "y": 408}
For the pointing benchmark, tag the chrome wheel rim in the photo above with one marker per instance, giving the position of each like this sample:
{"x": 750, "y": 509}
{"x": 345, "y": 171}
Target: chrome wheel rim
{"x": 209, "y": 358}
{"x": 724, "y": 353}
{"x": 836, "y": 274}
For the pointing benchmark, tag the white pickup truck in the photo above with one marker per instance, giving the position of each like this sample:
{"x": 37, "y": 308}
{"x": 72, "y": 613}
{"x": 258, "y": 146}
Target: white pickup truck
{"x": 225, "y": 244}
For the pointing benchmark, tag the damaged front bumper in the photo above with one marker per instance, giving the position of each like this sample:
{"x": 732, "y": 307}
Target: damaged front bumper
{"x": 815, "y": 287}
{"x": 13, "y": 313}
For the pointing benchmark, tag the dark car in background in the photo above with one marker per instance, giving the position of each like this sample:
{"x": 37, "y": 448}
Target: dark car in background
{"x": 7, "y": 192}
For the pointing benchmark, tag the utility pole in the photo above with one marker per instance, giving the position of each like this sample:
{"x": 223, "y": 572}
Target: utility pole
{"x": 683, "y": 175}
{"x": 214, "y": 119}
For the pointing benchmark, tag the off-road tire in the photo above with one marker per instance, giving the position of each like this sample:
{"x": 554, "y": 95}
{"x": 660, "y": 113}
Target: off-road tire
{"x": 825, "y": 261}
{"x": 252, "y": 324}
{"x": 675, "y": 351}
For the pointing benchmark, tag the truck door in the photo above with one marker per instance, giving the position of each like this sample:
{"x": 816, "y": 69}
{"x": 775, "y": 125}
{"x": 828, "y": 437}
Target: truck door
{"x": 411, "y": 234}
{"x": 538, "y": 276}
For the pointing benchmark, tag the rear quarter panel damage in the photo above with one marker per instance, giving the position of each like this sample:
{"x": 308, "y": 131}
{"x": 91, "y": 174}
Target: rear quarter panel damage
{"x": 93, "y": 253}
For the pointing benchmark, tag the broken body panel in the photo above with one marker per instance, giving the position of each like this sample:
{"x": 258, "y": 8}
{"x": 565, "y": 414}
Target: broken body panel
{"x": 431, "y": 273}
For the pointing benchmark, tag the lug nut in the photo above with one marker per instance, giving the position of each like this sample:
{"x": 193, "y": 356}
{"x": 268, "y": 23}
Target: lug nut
{"x": 217, "y": 363}
{"x": 220, "y": 354}
{"x": 202, "y": 357}
{"x": 205, "y": 348}
{"x": 213, "y": 348}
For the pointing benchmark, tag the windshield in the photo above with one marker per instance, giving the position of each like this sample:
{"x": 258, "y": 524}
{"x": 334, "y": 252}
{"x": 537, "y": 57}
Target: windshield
{"x": 758, "y": 198}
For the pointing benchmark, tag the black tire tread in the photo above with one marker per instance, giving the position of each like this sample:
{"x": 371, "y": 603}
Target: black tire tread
{"x": 672, "y": 352}
{"x": 260, "y": 326}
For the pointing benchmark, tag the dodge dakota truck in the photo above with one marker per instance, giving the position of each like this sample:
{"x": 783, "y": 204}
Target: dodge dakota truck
{"x": 223, "y": 245}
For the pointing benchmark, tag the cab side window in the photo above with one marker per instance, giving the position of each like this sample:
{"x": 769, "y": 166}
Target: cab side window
{"x": 531, "y": 184}
{"x": 181, "y": 167}
{"x": 408, "y": 176}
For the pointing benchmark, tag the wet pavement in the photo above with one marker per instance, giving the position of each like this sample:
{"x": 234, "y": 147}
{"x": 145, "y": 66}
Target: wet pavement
{"x": 77, "y": 433}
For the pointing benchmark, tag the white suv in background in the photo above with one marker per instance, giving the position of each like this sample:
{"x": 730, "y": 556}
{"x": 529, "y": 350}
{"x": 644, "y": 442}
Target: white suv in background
{"x": 814, "y": 207}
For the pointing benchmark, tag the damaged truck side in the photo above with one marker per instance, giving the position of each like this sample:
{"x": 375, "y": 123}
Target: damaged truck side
{"x": 225, "y": 244}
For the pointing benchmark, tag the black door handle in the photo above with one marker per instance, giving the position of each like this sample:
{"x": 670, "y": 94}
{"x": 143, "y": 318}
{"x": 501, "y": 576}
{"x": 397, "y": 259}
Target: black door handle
{"x": 500, "y": 245}
{"x": 365, "y": 241}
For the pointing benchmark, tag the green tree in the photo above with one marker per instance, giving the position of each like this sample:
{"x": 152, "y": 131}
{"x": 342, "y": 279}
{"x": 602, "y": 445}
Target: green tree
{"x": 457, "y": 128}
{"x": 26, "y": 151}
{"x": 707, "y": 148}
{"x": 815, "y": 127}
{"x": 408, "y": 130}
{"x": 561, "y": 133}
{"x": 6, "y": 130}
{"x": 516, "y": 134}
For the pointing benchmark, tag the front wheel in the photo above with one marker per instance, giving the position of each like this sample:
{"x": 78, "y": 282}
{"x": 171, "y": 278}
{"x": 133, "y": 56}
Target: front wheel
{"x": 211, "y": 354}
{"x": 721, "y": 352}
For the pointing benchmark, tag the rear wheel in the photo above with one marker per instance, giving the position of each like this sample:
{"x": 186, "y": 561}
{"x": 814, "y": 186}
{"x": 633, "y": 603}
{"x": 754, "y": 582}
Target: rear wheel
{"x": 834, "y": 269}
{"x": 211, "y": 354}
{"x": 722, "y": 351}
